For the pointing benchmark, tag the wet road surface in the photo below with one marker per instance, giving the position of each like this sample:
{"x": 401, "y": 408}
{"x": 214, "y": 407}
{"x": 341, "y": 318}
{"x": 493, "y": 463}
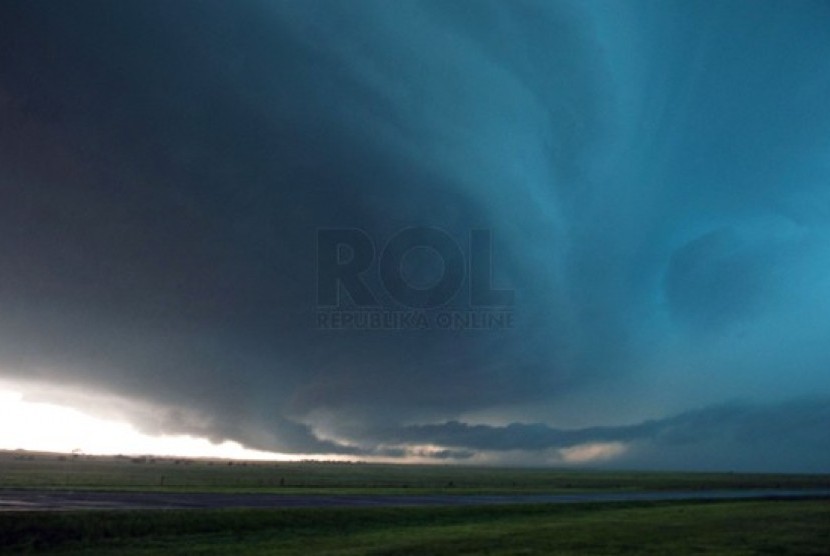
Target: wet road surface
{"x": 41, "y": 500}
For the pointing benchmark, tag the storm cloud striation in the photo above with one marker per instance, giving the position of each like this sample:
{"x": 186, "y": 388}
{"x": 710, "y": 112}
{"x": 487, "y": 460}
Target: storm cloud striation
{"x": 654, "y": 177}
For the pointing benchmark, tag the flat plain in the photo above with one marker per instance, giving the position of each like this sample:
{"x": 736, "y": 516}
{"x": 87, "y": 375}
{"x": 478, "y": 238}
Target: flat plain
{"x": 149, "y": 474}
{"x": 791, "y": 526}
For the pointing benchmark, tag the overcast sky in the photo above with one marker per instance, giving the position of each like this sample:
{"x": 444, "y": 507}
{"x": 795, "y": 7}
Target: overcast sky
{"x": 655, "y": 177}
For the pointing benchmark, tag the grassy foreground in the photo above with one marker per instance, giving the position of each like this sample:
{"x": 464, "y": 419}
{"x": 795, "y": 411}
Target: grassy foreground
{"x": 758, "y": 527}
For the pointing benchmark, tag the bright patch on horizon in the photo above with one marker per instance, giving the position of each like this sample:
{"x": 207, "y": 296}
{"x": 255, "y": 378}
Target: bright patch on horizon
{"x": 597, "y": 451}
{"x": 53, "y": 428}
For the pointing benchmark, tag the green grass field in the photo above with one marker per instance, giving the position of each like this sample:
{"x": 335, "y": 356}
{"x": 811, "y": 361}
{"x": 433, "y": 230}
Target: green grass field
{"x": 746, "y": 527}
{"x": 758, "y": 527}
{"x": 26, "y": 470}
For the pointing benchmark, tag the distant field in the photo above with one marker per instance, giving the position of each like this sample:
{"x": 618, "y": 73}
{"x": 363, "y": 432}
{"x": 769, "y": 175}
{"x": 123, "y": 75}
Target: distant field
{"x": 757, "y": 527}
{"x": 27, "y": 470}
{"x": 760, "y": 527}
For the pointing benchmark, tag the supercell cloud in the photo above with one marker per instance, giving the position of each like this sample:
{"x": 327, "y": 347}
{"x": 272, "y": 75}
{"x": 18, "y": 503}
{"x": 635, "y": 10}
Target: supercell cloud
{"x": 655, "y": 177}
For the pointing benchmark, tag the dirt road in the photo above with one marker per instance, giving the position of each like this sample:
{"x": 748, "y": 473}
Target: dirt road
{"x": 40, "y": 500}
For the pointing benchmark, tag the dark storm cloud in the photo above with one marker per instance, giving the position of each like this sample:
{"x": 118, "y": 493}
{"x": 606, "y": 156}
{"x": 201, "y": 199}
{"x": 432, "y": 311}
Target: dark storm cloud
{"x": 654, "y": 177}
{"x": 753, "y": 435}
